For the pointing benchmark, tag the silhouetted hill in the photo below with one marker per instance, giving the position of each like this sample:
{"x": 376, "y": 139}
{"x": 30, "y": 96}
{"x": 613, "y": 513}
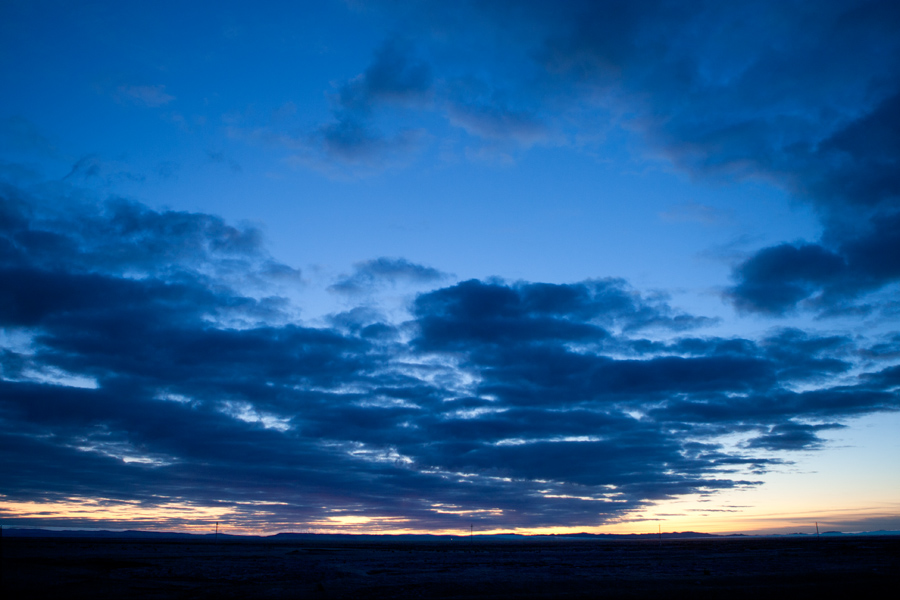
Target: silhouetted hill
{"x": 103, "y": 533}
{"x": 676, "y": 535}
{"x": 290, "y": 536}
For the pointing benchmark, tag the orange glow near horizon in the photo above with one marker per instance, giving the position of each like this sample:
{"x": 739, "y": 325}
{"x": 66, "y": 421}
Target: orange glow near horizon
{"x": 246, "y": 518}
{"x": 838, "y": 488}
{"x": 190, "y": 517}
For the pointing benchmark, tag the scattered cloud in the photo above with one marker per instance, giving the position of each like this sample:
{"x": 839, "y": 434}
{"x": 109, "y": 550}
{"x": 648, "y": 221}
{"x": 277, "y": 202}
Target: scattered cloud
{"x": 221, "y": 159}
{"x": 353, "y": 141}
{"x": 393, "y": 78}
{"x": 370, "y": 274}
{"x": 791, "y": 436}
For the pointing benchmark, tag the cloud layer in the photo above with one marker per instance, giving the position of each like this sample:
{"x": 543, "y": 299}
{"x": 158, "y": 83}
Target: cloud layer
{"x": 142, "y": 361}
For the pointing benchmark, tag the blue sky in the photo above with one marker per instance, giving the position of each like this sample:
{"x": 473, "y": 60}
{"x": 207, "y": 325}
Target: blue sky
{"x": 408, "y": 267}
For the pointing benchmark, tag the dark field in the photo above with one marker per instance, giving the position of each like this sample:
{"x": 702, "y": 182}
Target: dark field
{"x": 860, "y": 567}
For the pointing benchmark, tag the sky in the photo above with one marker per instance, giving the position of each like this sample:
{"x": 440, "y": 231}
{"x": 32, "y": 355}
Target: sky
{"x": 384, "y": 267}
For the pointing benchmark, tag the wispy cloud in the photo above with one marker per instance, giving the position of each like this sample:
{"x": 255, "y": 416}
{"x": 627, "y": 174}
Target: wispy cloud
{"x": 150, "y": 96}
{"x": 694, "y": 212}
{"x": 393, "y": 78}
{"x": 370, "y": 274}
{"x": 21, "y": 135}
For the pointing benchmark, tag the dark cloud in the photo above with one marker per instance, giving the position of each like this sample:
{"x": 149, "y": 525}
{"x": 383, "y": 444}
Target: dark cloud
{"x": 779, "y": 279}
{"x": 393, "y": 77}
{"x": 860, "y": 161}
{"x": 810, "y": 102}
{"x": 139, "y": 365}
{"x": 791, "y": 436}
{"x": 119, "y": 237}
{"x": 497, "y": 313}
{"x": 803, "y": 356}
{"x": 886, "y": 349}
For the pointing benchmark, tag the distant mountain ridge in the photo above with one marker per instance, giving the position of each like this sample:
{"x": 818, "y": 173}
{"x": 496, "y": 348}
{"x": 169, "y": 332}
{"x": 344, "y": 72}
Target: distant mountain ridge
{"x": 675, "y": 535}
{"x": 16, "y": 532}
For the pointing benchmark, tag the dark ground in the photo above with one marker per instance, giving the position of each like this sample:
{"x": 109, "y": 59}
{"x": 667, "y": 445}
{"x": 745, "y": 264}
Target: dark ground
{"x": 758, "y": 568}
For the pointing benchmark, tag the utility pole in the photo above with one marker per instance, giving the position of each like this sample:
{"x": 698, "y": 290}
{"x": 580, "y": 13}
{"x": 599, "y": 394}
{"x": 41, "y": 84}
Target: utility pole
{"x": 217, "y": 531}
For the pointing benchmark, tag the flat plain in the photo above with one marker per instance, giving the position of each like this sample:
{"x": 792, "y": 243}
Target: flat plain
{"x": 82, "y": 568}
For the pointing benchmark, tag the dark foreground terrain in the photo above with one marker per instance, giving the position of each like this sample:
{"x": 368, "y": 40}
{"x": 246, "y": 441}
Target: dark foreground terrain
{"x": 758, "y": 568}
